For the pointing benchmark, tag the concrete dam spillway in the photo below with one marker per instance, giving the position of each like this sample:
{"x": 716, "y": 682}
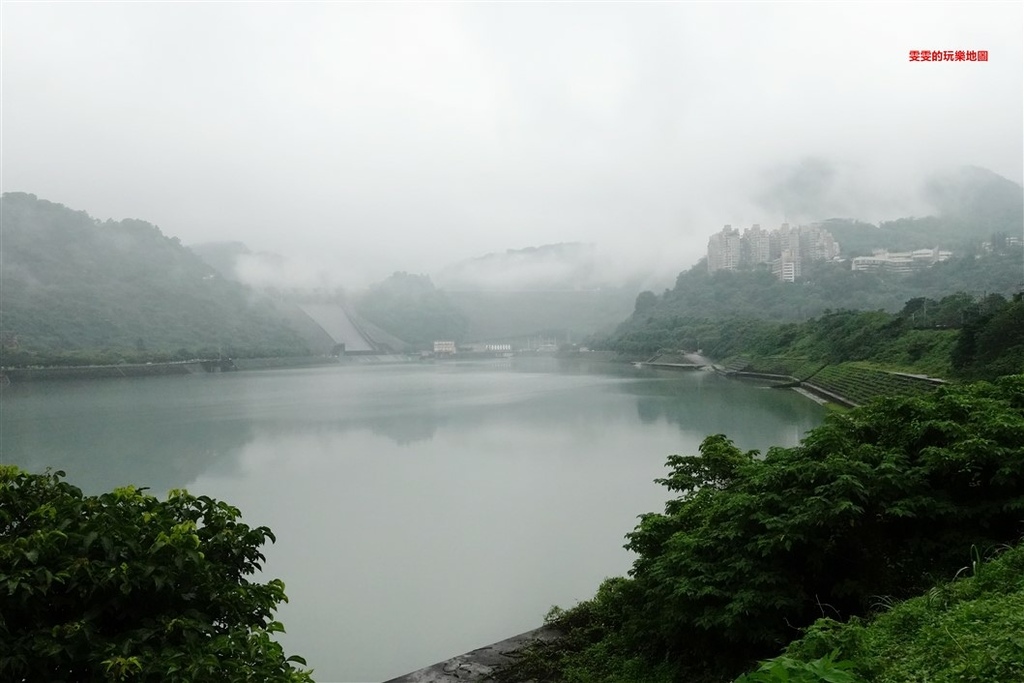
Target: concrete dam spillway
{"x": 335, "y": 321}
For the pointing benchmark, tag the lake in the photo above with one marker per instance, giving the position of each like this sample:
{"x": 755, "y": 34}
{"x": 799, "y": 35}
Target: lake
{"x": 421, "y": 510}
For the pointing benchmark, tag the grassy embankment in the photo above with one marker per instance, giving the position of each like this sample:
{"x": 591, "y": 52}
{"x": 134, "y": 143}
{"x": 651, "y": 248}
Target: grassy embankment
{"x": 968, "y": 629}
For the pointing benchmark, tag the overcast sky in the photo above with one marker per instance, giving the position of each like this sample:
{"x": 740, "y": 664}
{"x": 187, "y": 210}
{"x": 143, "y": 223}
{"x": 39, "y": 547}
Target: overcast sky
{"x": 368, "y": 138}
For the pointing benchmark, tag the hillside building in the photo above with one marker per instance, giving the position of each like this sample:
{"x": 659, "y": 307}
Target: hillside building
{"x": 725, "y": 250}
{"x": 787, "y": 266}
{"x": 756, "y": 245}
{"x": 817, "y": 244}
{"x": 899, "y": 262}
{"x": 784, "y": 250}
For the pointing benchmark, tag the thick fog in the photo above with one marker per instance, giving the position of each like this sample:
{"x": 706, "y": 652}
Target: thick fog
{"x": 356, "y": 139}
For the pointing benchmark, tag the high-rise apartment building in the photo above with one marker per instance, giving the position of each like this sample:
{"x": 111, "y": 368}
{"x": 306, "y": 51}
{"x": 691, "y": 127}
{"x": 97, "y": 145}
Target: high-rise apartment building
{"x": 756, "y": 245}
{"x": 725, "y": 250}
{"x": 817, "y": 244}
{"x": 784, "y": 249}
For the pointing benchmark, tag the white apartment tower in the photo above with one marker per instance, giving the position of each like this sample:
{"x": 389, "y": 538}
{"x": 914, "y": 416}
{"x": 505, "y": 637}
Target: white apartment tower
{"x": 784, "y": 249}
{"x": 817, "y": 244}
{"x": 757, "y": 245}
{"x": 724, "y": 250}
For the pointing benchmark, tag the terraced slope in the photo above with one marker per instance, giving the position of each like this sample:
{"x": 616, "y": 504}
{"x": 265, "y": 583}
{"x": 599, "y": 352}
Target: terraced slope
{"x": 861, "y": 384}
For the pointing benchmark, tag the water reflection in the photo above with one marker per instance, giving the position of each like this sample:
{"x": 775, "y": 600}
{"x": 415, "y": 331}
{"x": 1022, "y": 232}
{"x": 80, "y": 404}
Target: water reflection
{"x": 708, "y": 404}
{"x": 155, "y": 432}
{"x": 421, "y": 511}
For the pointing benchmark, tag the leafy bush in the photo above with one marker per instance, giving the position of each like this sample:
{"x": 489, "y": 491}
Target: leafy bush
{"x": 879, "y": 500}
{"x": 788, "y": 670}
{"x": 964, "y": 630}
{"x": 124, "y": 587}
{"x": 872, "y": 502}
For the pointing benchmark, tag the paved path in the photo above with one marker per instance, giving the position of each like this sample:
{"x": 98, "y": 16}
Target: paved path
{"x": 475, "y": 666}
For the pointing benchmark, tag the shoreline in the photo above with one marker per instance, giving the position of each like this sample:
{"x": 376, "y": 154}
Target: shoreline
{"x": 19, "y": 375}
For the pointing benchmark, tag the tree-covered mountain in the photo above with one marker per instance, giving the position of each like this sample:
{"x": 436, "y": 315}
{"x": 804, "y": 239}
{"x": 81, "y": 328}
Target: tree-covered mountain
{"x": 411, "y": 308}
{"x": 221, "y": 256}
{"x": 76, "y": 287}
{"x": 758, "y": 295}
{"x": 972, "y": 205}
{"x": 980, "y": 217}
{"x": 554, "y": 290}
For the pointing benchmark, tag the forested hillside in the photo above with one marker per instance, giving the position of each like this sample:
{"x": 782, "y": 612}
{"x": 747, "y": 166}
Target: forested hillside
{"x": 973, "y": 205}
{"x": 980, "y": 218}
{"x": 409, "y": 307}
{"x": 701, "y": 299}
{"x": 75, "y": 289}
{"x": 558, "y": 291}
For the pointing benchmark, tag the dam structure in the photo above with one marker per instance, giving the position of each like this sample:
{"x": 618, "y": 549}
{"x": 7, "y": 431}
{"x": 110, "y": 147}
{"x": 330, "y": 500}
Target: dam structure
{"x": 351, "y": 336}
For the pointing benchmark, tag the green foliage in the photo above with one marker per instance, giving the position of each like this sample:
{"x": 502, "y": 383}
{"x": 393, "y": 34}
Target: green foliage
{"x": 111, "y": 291}
{"x": 992, "y": 342}
{"x": 698, "y": 310}
{"x": 879, "y": 500}
{"x": 869, "y": 504}
{"x": 124, "y": 587}
{"x": 590, "y": 649}
{"x": 645, "y": 301}
{"x": 958, "y": 335}
{"x": 963, "y": 630}
{"x": 788, "y": 670}
{"x": 925, "y": 351}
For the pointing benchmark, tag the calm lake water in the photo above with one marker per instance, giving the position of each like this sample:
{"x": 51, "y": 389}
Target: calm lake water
{"x": 421, "y": 510}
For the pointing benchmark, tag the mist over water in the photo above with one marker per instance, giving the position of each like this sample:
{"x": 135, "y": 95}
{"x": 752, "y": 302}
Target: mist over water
{"x": 421, "y": 510}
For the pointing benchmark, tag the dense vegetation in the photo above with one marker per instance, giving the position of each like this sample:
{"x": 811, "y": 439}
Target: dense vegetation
{"x": 958, "y": 335}
{"x": 879, "y": 501}
{"x": 978, "y": 212}
{"x": 701, "y": 300}
{"x": 410, "y": 307}
{"x": 76, "y": 291}
{"x": 965, "y": 631}
{"x": 124, "y": 587}
{"x": 992, "y": 343}
{"x": 973, "y": 204}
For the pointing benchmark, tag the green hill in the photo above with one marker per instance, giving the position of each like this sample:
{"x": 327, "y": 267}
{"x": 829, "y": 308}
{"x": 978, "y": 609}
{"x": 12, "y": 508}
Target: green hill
{"x": 409, "y": 307}
{"x": 75, "y": 289}
{"x": 972, "y": 205}
{"x": 558, "y": 291}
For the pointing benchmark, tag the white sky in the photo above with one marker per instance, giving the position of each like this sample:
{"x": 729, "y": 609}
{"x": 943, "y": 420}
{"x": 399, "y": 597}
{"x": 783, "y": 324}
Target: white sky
{"x": 367, "y": 138}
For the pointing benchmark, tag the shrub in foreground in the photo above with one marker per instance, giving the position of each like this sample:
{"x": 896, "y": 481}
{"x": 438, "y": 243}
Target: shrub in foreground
{"x": 971, "y": 629}
{"x": 880, "y": 500}
{"x": 125, "y": 587}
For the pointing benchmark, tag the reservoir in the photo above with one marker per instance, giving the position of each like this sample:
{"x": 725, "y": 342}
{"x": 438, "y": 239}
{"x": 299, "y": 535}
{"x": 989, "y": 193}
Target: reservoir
{"x": 421, "y": 510}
